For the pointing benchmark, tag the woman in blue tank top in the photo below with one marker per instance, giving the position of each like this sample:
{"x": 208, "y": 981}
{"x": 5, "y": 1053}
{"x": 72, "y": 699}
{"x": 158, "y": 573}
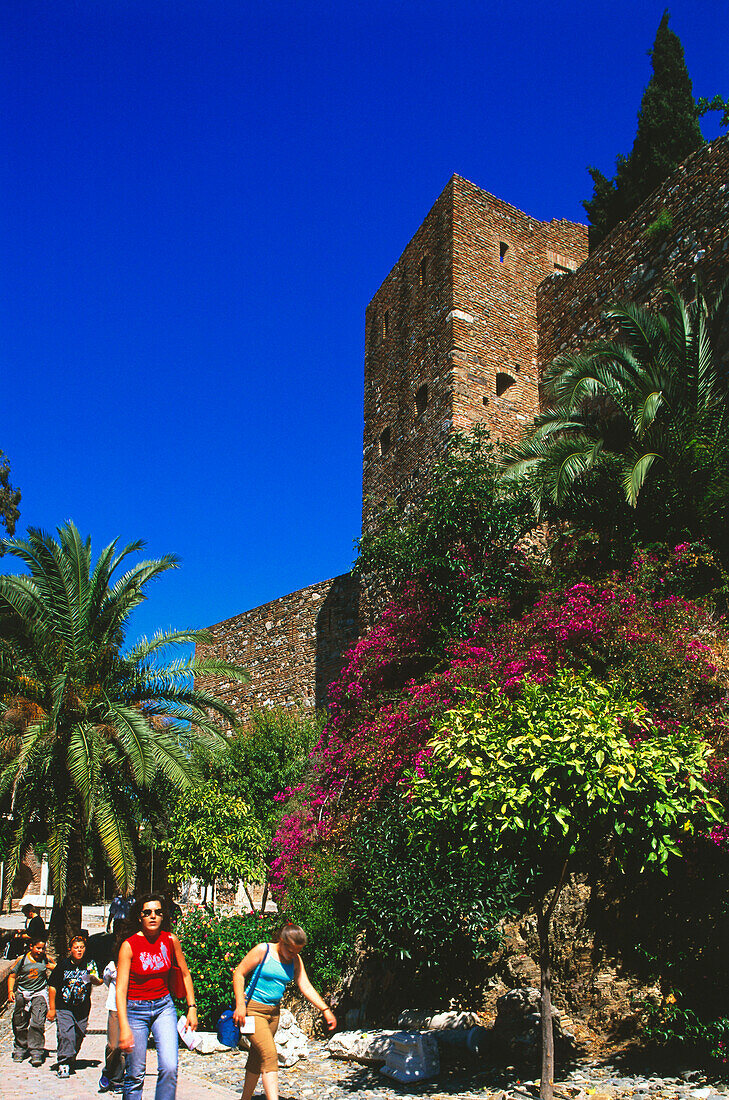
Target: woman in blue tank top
{"x": 270, "y": 967}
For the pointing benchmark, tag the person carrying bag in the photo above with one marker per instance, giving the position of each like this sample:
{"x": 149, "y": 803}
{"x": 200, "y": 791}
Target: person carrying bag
{"x": 276, "y": 964}
{"x": 228, "y": 1031}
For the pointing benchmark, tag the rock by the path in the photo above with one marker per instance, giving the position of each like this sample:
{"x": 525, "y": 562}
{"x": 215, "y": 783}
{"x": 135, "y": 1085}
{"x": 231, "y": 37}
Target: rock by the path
{"x": 368, "y": 1047}
{"x": 439, "y": 1021}
{"x": 291, "y": 1042}
{"x": 518, "y": 1025}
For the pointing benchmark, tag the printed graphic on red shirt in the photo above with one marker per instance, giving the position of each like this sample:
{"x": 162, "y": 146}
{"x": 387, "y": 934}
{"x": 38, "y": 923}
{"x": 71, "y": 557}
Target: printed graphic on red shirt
{"x": 154, "y": 962}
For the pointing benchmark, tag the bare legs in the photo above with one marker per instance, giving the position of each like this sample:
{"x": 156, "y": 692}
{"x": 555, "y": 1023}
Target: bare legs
{"x": 270, "y": 1084}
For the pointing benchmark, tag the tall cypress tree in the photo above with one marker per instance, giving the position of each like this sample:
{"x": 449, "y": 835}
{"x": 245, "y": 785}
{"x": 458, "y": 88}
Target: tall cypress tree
{"x": 668, "y": 130}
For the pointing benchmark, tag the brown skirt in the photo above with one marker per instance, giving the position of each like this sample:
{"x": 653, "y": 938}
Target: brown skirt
{"x": 263, "y": 1057}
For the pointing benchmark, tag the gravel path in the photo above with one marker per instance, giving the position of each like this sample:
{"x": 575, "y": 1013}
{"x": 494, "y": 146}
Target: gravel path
{"x": 220, "y": 1076}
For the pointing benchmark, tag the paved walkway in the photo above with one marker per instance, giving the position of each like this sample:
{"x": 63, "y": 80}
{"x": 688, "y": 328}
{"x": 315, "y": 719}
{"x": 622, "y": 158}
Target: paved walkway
{"x": 220, "y": 1076}
{"x": 19, "y": 1081}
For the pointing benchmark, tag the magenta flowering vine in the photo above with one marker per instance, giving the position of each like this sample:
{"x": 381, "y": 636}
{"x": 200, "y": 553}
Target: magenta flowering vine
{"x": 393, "y": 688}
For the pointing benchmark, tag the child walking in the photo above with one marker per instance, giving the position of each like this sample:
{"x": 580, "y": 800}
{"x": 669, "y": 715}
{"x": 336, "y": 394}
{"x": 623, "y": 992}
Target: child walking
{"x": 70, "y": 1003}
{"x": 28, "y": 990}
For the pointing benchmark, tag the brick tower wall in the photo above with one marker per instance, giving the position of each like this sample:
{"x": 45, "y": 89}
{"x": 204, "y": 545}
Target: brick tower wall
{"x": 634, "y": 264}
{"x": 453, "y": 323}
{"x": 501, "y": 255}
{"x": 406, "y": 347}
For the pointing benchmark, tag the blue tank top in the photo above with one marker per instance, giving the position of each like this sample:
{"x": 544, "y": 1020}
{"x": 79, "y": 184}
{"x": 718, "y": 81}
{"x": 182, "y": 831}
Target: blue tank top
{"x": 273, "y": 978}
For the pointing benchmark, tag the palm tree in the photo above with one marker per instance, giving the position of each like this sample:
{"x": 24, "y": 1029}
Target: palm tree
{"x": 86, "y": 728}
{"x": 643, "y": 416}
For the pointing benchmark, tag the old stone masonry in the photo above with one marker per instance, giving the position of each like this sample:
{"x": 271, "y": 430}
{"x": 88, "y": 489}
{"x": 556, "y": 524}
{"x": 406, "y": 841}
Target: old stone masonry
{"x": 481, "y": 300}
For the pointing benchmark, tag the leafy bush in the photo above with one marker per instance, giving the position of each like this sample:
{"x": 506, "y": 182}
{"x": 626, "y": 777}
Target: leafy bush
{"x": 213, "y": 947}
{"x": 270, "y": 753}
{"x": 672, "y": 1025}
{"x": 461, "y": 543}
{"x": 424, "y": 902}
{"x": 659, "y": 225}
{"x": 320, "y": 900}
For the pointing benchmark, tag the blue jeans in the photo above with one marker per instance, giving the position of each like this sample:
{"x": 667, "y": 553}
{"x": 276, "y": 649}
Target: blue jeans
{"x": 160, "y": 1018}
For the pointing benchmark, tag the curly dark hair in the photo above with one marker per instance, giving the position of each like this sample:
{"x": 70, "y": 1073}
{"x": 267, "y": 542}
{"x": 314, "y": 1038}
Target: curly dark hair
{"x": 135, "y": 916}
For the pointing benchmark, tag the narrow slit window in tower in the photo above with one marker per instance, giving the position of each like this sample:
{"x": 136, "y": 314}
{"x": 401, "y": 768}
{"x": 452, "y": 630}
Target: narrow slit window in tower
{"x": 386, "y": 322}
{"x": 421, "y": 400}
{"x": 503, "y": 249}
{"x": 385, "y": 441}
{"x": 503, "y": 383}
{"x": 424, "y": 271}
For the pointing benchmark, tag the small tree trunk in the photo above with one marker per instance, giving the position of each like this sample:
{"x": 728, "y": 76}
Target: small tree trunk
{"x": 66, "y": 916}
{"x": 546, "y": 1089}
{"x": 544, "y": 921}
{"x": 264, "y": 899}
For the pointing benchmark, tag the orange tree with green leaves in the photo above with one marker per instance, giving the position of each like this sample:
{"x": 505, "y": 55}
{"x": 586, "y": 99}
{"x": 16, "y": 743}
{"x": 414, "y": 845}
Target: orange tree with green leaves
{"x": 557, "y": 775}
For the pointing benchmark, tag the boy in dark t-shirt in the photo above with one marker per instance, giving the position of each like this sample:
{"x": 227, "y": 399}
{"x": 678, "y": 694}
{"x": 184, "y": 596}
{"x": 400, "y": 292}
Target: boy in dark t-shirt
{"x": 70, "y": 997}
{"x": 28, "y": 990}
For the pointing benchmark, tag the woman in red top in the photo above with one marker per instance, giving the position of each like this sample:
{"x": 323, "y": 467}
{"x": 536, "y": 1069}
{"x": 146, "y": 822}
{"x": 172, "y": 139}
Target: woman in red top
{"x": 143, "y": 999}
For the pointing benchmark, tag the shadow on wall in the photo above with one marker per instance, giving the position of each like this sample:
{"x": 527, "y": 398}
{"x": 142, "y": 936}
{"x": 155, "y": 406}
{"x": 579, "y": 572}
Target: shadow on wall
{"x": 337, "y": 629}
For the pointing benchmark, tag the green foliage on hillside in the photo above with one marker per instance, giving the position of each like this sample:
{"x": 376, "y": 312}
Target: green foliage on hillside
{"x": 420, "y": 901}
{"x": 633, "y": 439}
{"x": 559, "y": 775}
{"x": 459, "y": 543}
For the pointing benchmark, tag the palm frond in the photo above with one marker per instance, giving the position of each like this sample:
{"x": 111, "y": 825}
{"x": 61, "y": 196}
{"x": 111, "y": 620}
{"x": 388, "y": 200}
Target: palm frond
{"x": 134, "y": 736}
{"x": 646, "y": 412}
{"x": 636, "y": 471}
{"x": 82, "y": 760}
{"x": 116, "y": 842}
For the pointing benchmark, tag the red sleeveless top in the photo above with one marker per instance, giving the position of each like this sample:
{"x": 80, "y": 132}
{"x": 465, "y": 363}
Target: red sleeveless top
{"x": 150, "y": 967}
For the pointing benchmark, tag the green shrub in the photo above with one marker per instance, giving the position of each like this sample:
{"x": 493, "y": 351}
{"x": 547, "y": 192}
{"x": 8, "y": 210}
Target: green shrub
{"x": 213, "y": 947}
{"x": 320, "y": 900}
{"x": 270, "y": 753}
{"x": 672, "y": 1025}
{"x": 662, "y": 224}
{"x": 423, "y": 901}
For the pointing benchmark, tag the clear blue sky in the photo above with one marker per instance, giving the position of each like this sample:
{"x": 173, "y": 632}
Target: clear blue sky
{"x": 199, "y": 199}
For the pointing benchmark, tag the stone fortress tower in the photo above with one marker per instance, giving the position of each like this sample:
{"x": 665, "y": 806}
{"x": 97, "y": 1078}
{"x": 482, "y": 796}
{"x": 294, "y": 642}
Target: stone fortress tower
{"x": 482, "y": 298}
{"x": 451, "y": 335}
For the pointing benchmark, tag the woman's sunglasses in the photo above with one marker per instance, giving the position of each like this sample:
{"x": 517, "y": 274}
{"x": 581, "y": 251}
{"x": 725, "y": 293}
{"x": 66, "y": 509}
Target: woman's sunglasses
{"x": 151, "y": 912}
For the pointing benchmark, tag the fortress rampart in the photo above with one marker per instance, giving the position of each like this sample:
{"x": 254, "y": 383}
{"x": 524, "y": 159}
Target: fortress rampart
{"x": 482, "y": 298}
